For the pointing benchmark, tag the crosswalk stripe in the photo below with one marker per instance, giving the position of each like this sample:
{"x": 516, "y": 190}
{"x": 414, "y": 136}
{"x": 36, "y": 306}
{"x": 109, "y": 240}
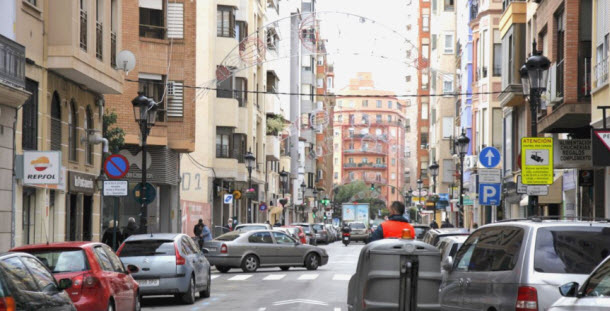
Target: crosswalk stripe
{"x": 241, "y": 277}
{"x": 274, "y": 277}
{"x": 308, "y": 277}
{"x": 341, "y": 277}
{"x": 214, "y": 276}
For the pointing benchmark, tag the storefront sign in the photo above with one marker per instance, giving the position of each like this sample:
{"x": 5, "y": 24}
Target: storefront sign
{"x": 79, "y": 182}
{"x": 41, "y": 167}
{"x": 572, "y": 153}
{"x": 537, "y": 160}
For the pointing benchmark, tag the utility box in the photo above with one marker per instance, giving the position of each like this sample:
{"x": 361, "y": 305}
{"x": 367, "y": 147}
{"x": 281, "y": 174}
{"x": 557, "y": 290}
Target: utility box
{"x": 396, "y": 274}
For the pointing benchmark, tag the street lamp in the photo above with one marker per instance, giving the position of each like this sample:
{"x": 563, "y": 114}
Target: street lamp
{"x": 303, "y": 187}
{"x": 284, "y": 181}
{"x": 315, "y": 203}
{"x": 462, "y": 148}
{"x": 534, "y": 75}
{"x": 434, "y": 172}
{"x": 250, "y": 162}
{"x": 145, "y": 114}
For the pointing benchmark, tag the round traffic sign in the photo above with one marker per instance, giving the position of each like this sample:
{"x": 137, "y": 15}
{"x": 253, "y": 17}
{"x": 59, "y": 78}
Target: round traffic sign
{"x": 262, "y": 207}
{"x": 148, "y": 194}
{"x": 489, "y": 157}
{"x": 116, "y": 166}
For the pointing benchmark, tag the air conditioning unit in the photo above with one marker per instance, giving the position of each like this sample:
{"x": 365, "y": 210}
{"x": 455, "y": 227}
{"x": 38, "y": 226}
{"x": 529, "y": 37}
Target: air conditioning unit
{"x": 470, "y": 162}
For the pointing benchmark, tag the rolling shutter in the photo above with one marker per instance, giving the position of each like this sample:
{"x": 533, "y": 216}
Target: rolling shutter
{"x": 175, "y": 99}
{"x": 175, "y": 20}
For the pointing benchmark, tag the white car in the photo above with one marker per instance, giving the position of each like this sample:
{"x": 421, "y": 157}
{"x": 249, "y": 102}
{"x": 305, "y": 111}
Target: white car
{"x": 594, "y": 294}
{"x": 252, "y": 227}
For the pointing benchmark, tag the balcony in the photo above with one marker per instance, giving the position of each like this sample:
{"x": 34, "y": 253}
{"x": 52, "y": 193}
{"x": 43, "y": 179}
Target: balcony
{"x": 370, "y": 137}
{"x": 365, "y": 165}
{"x": 601, "y": 72}
{"x": 374, "y": 150}
{"x": 229, "y": 114}
{"x": 272, "y": 104}
{"x": 272, "y": 148}
{"x": 70, "y": 39}
{"x": 368, "y": 178}
{"x": 12, "y": 62}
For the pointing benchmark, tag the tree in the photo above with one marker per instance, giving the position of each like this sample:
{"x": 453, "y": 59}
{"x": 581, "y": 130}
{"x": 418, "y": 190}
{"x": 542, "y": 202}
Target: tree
{"x": 344, "y": 193}
{"x": 115, "y": 135}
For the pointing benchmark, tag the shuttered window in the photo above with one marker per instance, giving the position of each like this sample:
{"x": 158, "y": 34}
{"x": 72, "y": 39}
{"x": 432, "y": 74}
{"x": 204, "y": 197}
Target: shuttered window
{"x": 89, "y": 131}
{"x": 56, "y": 122}
{"x": 175, "y": 20}
{"x": 73, "y": 124}
{"x": 175, "y": 99}
{"x": 29, "y": 130}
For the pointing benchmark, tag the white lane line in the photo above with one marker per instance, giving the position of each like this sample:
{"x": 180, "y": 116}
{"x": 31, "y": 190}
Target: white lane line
{"x": 215, "y": 276}
{"x": 263, "y": 309}
{"x": 241, "y": 277}
{"x": 341, "y": 277}
{"x": 274, "y": 277}
{"x": 308, "y": 277}
{"x": 337, "y": 309}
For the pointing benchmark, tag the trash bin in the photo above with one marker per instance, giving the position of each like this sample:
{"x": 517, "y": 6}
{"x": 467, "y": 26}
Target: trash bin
{"x": 396, "y": 274}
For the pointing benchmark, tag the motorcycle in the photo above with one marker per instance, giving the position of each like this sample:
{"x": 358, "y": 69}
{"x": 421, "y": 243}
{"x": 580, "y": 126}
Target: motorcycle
{"x": 346, "y": 238}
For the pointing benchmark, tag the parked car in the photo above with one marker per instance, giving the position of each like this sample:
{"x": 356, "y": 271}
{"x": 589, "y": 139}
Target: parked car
{"x": 100, "y": 281}
{"x": 262, "y": 248}
{"x": 593, "y": 294}
{"x": 322, "y": 234}
{"x": 27, "y": 284}
{"x": 449, "y": 245}
{"x": 294, "y": 231}
{"x": 309, "y": 231}
{"x": 332, "y": 235}
{"x": 359, "y": 232}
{"x": 251, "y": 227}
{"x": 420, "y": 230}
{"x": 434, "y": 235}
{"x": 521, "y": 263}
{"x": 170, "y": 263}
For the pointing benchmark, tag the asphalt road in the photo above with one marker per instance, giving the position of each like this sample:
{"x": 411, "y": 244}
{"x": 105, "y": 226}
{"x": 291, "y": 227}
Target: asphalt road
{"x": 271, "y": 289}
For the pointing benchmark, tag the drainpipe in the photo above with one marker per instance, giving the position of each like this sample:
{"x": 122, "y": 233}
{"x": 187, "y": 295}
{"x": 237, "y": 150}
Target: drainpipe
{"x": 14, "y": 186}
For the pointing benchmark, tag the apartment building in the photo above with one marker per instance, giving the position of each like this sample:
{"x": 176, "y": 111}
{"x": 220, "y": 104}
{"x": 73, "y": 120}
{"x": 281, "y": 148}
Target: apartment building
{"x": 69, "y": 71}
{"x": 423, "y": 101}
{"x": 161, "y": 35}
{"x": 411, "y": 87}
{"x": 369, "y": 131}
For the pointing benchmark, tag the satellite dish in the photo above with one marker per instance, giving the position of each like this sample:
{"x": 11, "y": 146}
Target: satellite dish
{"x": 125, "y": 61}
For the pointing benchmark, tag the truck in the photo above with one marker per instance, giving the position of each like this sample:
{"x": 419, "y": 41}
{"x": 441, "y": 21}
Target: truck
{"x": 358, "y": 212}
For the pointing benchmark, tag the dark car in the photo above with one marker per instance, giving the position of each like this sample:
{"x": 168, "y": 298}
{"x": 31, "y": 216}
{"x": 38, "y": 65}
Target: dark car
{"x": 27, "y": 284}
{"x": 420, "y": 230}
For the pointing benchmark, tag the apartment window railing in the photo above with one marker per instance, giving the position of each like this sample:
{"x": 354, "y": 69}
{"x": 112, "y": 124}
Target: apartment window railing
{"x": 152, "y": 31}
{"x": 506, "y": 3}
{"x": 83, "y": 29}
{"x": 585, "y": 78}
{"x": 99, "y": 40}
{"x": 222, "y": 151}
{"x": 559, "y": 85}
{"x": 113, "y": 49}
{"x": 601, "y": 72}
{"x": 474, "y": 10}
{"x": 12, "y": 62}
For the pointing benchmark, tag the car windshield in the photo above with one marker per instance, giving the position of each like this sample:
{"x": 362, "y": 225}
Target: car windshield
{"x": 305, "y": 228}
{"x": 598, "y": 284}
{"x": 574, "y": 250}
{"x": 420, "y": 232}
{"x": 318, "y": 227}
{"x": 230, "y": 236}
{"x": 357, "y": 225}
{"x": 148, "y": 248}
{"x": 250, "y": 228}
{"x": 59, "y": 261}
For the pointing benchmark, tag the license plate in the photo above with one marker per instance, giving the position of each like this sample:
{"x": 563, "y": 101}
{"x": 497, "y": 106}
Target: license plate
{"x": 346, "y": 238}
{"x": 148, "y": 282}
{"x": 212, "y": 249}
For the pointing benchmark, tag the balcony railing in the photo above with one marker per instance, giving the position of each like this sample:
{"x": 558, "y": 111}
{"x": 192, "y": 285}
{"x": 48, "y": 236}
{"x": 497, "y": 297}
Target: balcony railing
{"x": 365, "y": 165}
{"x": 83, "y": 29}
{"x": 113, "y": 49}
{"x": 152, "y": 31}
{"x": 506, "y": 3}
{"x": 474, "y": 10}
{"x": 99, "y": 40}
{"x": 12, "y": 62}
{"x": 379, "y": 149}
{"x": 601, "y": 72}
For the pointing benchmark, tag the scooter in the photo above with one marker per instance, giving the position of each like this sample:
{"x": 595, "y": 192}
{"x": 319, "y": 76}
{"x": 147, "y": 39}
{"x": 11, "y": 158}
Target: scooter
{"x": 346, "y": 238}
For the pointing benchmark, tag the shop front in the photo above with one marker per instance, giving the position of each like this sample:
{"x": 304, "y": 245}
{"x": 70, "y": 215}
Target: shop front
{"x": 79, "y": 206}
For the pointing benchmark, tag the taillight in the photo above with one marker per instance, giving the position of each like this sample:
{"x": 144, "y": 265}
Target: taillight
{"x": 7, "y": 304}
{"x": 118, "y": 252}
{"x": 179, "y": 259}
{"x": 90, "y": 281}
{"x": 224, "y": 249}
{"x": 527, "y": 299}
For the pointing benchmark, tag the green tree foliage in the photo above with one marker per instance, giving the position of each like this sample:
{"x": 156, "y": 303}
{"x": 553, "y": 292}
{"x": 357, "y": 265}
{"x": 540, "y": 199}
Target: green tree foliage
{"x": 275, "y": 125}
{"x": 344, "y": 194}
{"x": 115, "y": 135}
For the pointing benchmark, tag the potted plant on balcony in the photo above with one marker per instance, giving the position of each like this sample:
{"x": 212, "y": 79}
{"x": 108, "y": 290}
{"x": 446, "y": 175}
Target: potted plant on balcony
{"x": 275, "y": 124}
{"x": 250, "y": 193}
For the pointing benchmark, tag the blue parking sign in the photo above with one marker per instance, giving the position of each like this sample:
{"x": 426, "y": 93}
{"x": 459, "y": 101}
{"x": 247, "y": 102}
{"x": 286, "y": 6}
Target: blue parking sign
{"x": 489, "y": 194}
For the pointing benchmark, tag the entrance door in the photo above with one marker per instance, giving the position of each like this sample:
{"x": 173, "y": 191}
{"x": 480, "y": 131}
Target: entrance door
{"x": 71, "y": 224}
{"x": 87, "y": 217}
{"x": 29, "y": 215}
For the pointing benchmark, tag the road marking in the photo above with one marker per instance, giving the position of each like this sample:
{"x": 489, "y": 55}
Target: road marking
{"x": 274, "y": 277}
{"x": 337, "y": 309}
{"x": 241, "y": 277}
{"x": 304, "y": 301}
{"x": 263, "y": 309}
{"x": 214, "y": 276}
{"x": 308, "y": 277}
{"x": 341, "y": 277}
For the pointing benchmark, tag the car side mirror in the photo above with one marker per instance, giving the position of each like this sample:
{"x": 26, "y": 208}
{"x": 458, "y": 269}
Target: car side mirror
{"x": 133, "y": 269}
{"x": 447, "y": 263}
{"x": 205, "y": 251}
{"x": 64, "y": 284}
{"x": 569, "y": 289}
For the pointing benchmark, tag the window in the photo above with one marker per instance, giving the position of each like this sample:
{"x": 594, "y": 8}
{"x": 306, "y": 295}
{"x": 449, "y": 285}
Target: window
{"x": 336, "y": 175}
{"x": 152, "y": 19}
{"x": 56, "y": 122}
{"x": 89, "y": 128}
{"x": 559, "y": 20}
{"x": 320, "y": 60}
{"x": 350, "y": 160}
{"x": 599, "y": 283}
{"x": 378, "y": 118}
{"x": 408, "y": 125}
{"x": 389, "y": 118}
{"x": 43, "y": 278}
{"x": 281, "y": 238}
{"x": 241, "y": 32}
{"x": 175, "y": 20}
{"x": 378, "y": 104}
{"x": 320, "y": 83}
{"x": 393, "y": 161}
{"x": 484, "y": 53}
{"x": 225, "y": 21}
{"x": 491, "y": 249}
{"x": 393, "y": 177}
{"x": 425, "y": 22}
{"x": 424, "y": 138}
{"x": 352, "y": 119}
{"x": 447, "y": 129}
{"x": 153, "y": 87}
{"x": 365, "y": 160}
{"x": 148, "y": 248}
{"x": 448, "y": 44}
{"x": 99, "y": 29}
{"x": 447, "y": 85}
{"x": 223, "y": 141}
{"x": 449, "y": 6}
{"x": 389, "y": 104}
{"x": 32, "y": 2}
{"x": 365, "y": 118}
{"x": 18, "y": 273}
{"x": 241, "y": 91}
{"x": 175, "y": 99}
{"x": 83, "y": 25}
{"x": 102, "y": 259}
{"x": 425, "y": 51}
{"x": 365, "y": 103}
{"x": 424, "y": 111}
{"x": 497, "y": 57}
{"x": 73, "y": 131}
{"x": 29, "y": 124}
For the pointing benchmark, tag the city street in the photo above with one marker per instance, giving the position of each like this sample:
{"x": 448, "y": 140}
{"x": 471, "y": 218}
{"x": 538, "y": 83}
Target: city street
{"x": 272, "y": 289}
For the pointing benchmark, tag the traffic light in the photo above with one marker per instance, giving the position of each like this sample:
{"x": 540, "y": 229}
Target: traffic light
{"x": 324, "y": 216}
{"x": 372, "y": 187}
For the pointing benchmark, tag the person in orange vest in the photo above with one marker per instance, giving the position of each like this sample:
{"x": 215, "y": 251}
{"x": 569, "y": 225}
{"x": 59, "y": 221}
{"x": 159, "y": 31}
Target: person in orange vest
{"x": 392, "y": 228}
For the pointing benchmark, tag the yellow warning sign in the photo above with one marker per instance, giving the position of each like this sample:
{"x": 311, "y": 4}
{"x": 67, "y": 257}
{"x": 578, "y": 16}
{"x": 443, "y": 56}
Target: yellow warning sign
{"x": 537, "y": 160}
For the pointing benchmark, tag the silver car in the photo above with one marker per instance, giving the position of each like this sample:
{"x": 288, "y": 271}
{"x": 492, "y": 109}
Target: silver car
{"x": 251, "y": 227}
{"x": 262, "y": 248}
{"x": 170, "y": 263}
{"x": 594, "y": 294}
{"x": 520, "y": 264}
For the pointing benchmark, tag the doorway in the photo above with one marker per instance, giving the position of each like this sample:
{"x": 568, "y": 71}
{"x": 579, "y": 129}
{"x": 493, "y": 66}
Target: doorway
{"x": 87, "y": 217}
{"x": 72, "y": 207}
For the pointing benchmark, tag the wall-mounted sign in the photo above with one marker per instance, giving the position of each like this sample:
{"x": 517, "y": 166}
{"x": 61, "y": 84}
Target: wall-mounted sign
{"x": 116, "y": 188}
{"x": 537, "y": 160}
{"x": 572, "y": 153}
{"x": 41, "y": 167}
{"x": 79, "y": 182}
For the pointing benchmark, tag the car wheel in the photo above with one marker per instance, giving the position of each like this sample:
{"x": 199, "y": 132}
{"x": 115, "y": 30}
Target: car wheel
{"x": 312, "y": 261}
{"x": 138, "y": 304}
{"x": 189, "y": 296}
{"x": 206, "y": 293}
{"x": 250, "y": 264}
{"x": 223, "y": 269}
{"x": 285, "y": 268}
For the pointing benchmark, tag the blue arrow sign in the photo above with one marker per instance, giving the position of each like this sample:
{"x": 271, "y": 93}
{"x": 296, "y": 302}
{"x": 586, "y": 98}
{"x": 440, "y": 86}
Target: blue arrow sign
{"x": 489, "y": 194}
{"x": 489, "y": 157}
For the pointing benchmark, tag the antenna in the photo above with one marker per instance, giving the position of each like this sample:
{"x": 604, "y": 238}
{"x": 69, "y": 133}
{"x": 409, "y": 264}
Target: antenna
{"x": 125, "y": 61}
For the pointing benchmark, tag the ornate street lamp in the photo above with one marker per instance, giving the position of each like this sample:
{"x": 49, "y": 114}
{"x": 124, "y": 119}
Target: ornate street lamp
{"x": 462, "y": 148}
{"x": 284, "y": 183}
{"x": 250, "y": 163}
{"x": 303, "y": 187}
{"x": 433, "y": 168}
{"x": 315, "y": 204}
{"x": 145, "y": 114}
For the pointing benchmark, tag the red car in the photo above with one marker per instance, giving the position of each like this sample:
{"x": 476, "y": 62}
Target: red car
{"x": 100, "y": 281}
{"x": 297, "y": 232}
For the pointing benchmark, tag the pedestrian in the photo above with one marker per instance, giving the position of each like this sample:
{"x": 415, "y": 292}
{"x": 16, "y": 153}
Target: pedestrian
{"x": 433, "y": 224}
{"x": 198, "y": 230}
{"x": 131, "y": 228}
{"x": 206, "y": 234}
{"x": 396, "y": 223}
{"x": 230, "y": 224}
{"x": 108, "y": 235}
{"x": 475, "y": 226}
{"x": 447, "y": 223}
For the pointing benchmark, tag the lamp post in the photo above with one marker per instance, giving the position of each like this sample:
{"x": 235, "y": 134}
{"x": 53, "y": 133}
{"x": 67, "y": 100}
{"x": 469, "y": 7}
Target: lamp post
{"x": 420, "y": 185}
{"x": 462, "y": 147}
{"x": 283, "y": 201}
{"x": 315, "y": 204}
{"x": 534, "y": 75}
{"x": 303, "y": 187}
{"x": 250, "y": 160}
{"x": 434, "y": 172}
{"x": 145, "y": 114}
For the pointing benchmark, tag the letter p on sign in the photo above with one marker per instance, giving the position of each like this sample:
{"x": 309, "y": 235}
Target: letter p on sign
{"x": 489, "y": 194}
